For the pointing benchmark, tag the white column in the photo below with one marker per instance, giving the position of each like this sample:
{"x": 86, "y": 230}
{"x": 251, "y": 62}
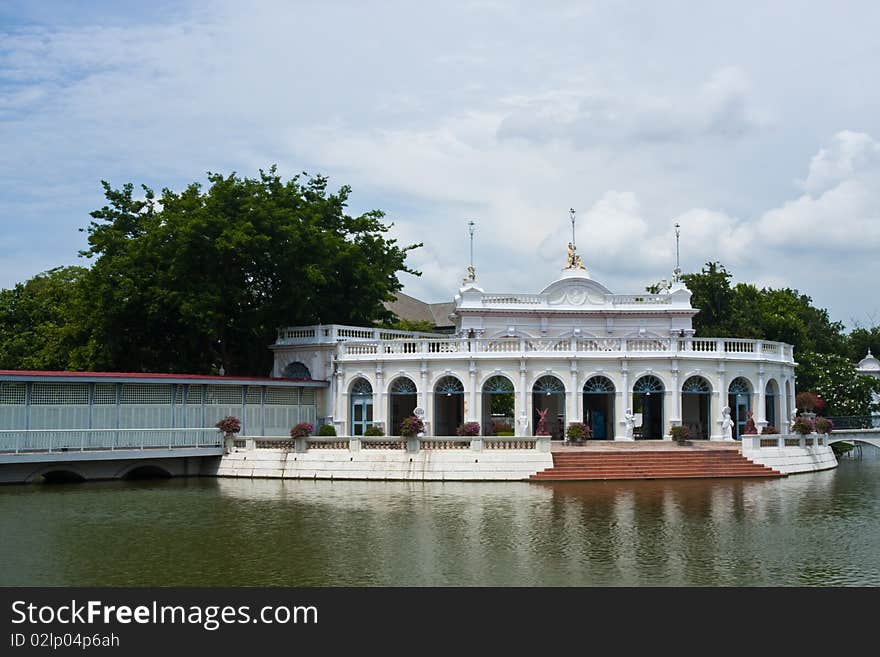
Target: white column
{"x": 341, "y": 413}
{"x": 426, "y": 400}
{"x": 522, "y": 406}
{"x": 472, "y": 415}
{"x": 623, "y": 404}
{"x": 380, "y": 399}
{"x": 675, "y": 415}
{"x": 574, "y": 410}
{"x": 721, "y": 394}
{"x": 760, "y": 394}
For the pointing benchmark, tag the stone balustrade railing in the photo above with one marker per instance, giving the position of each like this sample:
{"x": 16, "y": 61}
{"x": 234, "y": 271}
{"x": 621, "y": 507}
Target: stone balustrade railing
{"x": 358, "y": 443}
{"x": 761, "y": 441}
{"x": 333, "y": 333}
{"x": 613, "y": 347}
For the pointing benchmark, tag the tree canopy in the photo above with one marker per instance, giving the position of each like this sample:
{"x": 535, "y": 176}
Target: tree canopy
{"x": 195, "y": 280}
{"x": 826, "y": 355}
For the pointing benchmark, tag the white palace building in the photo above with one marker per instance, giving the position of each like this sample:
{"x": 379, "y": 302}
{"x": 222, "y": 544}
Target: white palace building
{"x": 627, "y": 365}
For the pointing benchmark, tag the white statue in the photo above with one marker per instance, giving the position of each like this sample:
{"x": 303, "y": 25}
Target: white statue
{"x": 726, "y": 424}
{"x": 630, "y": 421}
{"x": 420, "y": 413}
{"x": 792, "y": 421}
{"x": 523, "y": 424}
{"x": 574, "y": 260}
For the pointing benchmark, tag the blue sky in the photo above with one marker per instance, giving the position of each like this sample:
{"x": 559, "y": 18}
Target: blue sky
{"x": 756, "y": 127}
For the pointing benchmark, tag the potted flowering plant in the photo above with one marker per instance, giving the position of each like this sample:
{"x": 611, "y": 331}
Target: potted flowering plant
{"x": 302, "y": 430}
{"x": 469, "y": 429}
{"x": 770, "y": 430}
{"x": 824, "y": 425}
{"x": 680, "y": 434}
{"x": 229, "y": 426}
{"x": 803, "y": 425}
{"x": 577, "y": 431}
{"x": 411, "y": 427}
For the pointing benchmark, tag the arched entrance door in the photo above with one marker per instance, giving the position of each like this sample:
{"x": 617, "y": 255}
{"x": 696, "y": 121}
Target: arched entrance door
{"x": 361, "y": 406}
{"x": 739, "y": 398}
{"x": 648, "y": 394}
{"x": 548, "y": 394}
{"x": 771, "y": 404}
{"x": 498, "y": 402}
{"x": 696, "y": 396}
{"x": 599, "y": 407}
{"x": 448, "y": 406}
{"x": 402, "y": 400}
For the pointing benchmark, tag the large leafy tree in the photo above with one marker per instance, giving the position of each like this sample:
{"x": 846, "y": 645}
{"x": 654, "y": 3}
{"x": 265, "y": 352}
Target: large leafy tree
{"x": 43, "y": 322}
{"x": 200, "y": 279}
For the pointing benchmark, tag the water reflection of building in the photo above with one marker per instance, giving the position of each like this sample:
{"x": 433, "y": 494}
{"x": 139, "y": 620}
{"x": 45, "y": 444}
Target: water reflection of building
{"x": 575, "y": 350}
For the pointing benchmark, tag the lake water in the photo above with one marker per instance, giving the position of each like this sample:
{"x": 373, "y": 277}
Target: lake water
{"x": 810, "y": 529}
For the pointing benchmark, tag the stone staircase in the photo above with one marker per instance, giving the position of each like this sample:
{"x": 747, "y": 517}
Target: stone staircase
{"x": 665, "y": 464}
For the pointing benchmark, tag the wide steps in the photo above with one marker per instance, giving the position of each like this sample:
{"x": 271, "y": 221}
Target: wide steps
{"x": 582, "y": 466}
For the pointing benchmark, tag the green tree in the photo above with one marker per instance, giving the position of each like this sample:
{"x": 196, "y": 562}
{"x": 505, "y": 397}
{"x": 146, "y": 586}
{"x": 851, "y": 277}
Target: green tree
{"x": 202, "y": 279}
{"x": 43, "y": 322}
{"x": 714, "y": 296}
{"x": 860, "y": 340}
{"x": 835, "y": 379}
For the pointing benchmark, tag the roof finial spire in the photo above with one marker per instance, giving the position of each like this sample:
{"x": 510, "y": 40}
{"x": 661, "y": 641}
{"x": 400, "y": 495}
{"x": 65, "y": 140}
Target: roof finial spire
{"x": 676, "y": 273}
{"x": 472, "y": 272}
{"x": 573, "y": 215}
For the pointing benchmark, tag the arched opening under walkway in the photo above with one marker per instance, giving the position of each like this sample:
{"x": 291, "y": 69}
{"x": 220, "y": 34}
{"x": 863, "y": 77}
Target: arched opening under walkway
{"x": 696, "y": 407}
{"x": 62, "y": 477}
{"x": 402, "y": 400}
{"x": 599, "y": 407}
{"x": 648, "y": 393}
{"x": 739, "y": 399}
{"x": 147, "y": 472}
{"x": 548, "y": 394}
{"x": 360, "y": 414}
{"x": 448, "y": 406}
{"x": 498, "y": 404}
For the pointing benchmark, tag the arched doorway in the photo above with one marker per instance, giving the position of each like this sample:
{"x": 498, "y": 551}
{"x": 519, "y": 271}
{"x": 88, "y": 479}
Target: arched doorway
{"x": 361, "y": 406}
{"x": 599, "y": 407}
{"x": 498, "y": 403}
{"x": 771, "y": 404}
{"x": 739, "y": 399}
{"x": 696, "y": 396}
{"x": 402, "y": 400}
{"x": 648, "y": 393}
{"x": 548, "y": 393}
{"x": 448, "y": 406}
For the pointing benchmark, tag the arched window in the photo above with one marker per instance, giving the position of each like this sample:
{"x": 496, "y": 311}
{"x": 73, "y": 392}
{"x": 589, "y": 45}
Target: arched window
{"x": 402, "y": 401}
{"x": 498, "y": 406}
{"x": 448, "y": 406}
{"x": 648, "y": 402}
{"x": 771, "y": 403}
{"x": 739, "y": 399}
{"x": 598, "y": 385}
{"x": 296, "y": 370}
{"x": 361, "y": 406}
{"x": 599, "y": 407}
{"x": 696, "y": 400}
{"x": 549, "y": 385}
{"x": 548, "y": 394}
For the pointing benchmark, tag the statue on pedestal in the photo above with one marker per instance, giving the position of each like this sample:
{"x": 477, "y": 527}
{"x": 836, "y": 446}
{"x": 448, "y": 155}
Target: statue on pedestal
{"x": 542, "y": 423}
{"x": 523, "y": 424}
{"x": 630, "y": 421}
{"x": 726, "y": 424}
{"x": 574, "y": 260}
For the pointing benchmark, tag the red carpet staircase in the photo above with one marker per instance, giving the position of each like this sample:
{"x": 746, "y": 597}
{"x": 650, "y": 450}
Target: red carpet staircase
{"x": 667, "y": 464}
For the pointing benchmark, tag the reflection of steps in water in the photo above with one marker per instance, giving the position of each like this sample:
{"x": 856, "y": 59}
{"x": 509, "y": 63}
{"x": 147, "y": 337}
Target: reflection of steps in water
{"x": 666, "y": 464}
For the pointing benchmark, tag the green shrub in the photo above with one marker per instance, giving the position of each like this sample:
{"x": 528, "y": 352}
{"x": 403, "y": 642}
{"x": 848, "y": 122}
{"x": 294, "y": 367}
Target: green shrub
{"x": 803, "y": 425}
{"x": 374, "y": 430}
{"x": 680, "y": 433}
{"x": 327, "y": 430}
{"x": 576, "y": 431}
{"x": 770, "y": 430}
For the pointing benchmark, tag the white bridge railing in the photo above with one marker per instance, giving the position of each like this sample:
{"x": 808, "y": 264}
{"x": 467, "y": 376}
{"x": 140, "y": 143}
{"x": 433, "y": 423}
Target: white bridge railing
{"x": 18, "y": 441}
{"x": 610, "y": 347}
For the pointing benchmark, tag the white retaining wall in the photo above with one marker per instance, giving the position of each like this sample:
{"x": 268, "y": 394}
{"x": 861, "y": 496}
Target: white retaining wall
{"x": 791, "y": 459}
{"x": 426, "y": 465}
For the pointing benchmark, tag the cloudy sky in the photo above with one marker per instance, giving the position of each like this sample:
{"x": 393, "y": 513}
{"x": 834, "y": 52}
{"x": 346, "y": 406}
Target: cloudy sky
{"x": 753, "y": 125}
